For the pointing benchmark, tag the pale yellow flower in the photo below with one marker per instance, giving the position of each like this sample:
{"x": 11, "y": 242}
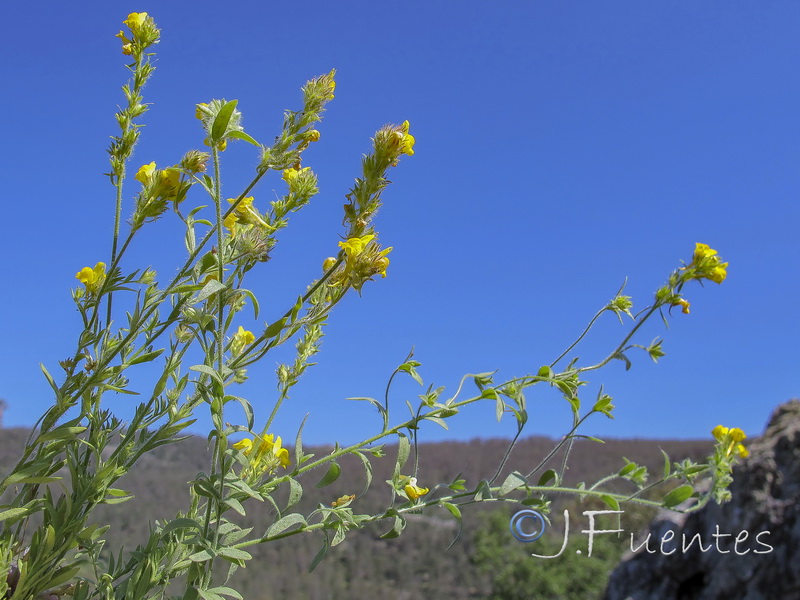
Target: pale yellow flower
{"x": 135, "y": 20}
{"x": 355, "y": 246}
{"x": 241, "y": 339}
{"x": 145, "y": 173}
{"x": 328, "y": 263}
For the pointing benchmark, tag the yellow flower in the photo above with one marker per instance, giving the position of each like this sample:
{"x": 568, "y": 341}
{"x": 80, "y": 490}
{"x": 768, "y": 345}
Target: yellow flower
{"x": 702, "y": 251}
{"x": 408, "y": 139}
{"x": 246, "y": 213}
{"x": 230, "y": 222}
{"x": 169, "y": 181}
{"x": 201, "y": 110}
{"x": 312, "y": 136}
{"x": 413, "y": 491}
{"x": 135, "y": 20}
{"x": 737, "y": 435}
{"x": 92, "y": 278}
{"x": 328, "y": 263}
{"x": 241, "y": 339}
{"x": 719, "y": 432}
{"x": 730, "y": 439}
{"x": 355, "y": 246}
{"x": 719, "y": 273}
{"x": 291, "y": 174}
{"x": 245, "y": 445}
{"x": 145, "y": 173}
{"x": 684, "y": 304}
{"x": 382, "y": 262}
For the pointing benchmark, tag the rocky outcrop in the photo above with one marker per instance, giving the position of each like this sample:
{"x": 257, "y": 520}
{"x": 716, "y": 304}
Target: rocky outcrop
{"x": 750, "y": 545}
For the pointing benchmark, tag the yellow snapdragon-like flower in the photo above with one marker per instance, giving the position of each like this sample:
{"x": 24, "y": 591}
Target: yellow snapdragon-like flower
{"x": 291, "y": 174}
{"x": 246, "y": 213}
{"x": 145, "y": 173}
{"x": 719, "y": 273}
{"x": 135, "y": 20}
{"x": 408, "y": 139}
{"x": 355, "y": 246}
{"x": 92, "y": 278}
{"x": 382, "y": 262}
{"x": 241, "y": 339}
{"x": 413, "y": 491}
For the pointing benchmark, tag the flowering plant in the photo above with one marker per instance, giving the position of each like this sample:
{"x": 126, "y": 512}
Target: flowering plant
{"x": 47, "y": 544}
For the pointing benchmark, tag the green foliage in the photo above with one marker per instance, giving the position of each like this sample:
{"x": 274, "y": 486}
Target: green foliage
{"x": 79, "y": 450}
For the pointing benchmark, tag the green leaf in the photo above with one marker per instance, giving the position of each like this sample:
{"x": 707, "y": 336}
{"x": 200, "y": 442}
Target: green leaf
{"x": 334, "y": 470}
{"x": 367, "y": 470}
{"x": 201, "y": 556}
{"x": 146, "y": 357}
{"x": 319, "y": 556}
{"x": 234, "y": 554}
{"x": 181, "y": 523}
{"x": 396, "y": 530}
{"x": 13, "y": 513}
{"x": 220, "y": 126}
{"x": 283, "y": 524}
{"x": 438, "y": 421}
{"x": 298, "y": 444}
{"x": 295, "y": 493}
{"x": 514, "y": 481}
{"x": 62, "y": 575}
{"x": 275, "y": 329}
{"x": 452, "y": 509}
{"x": 241, "y": 135}
{"x": 403, "y": 450}
{"x": 483, "y": 492}
{"x": 547, "y": 476}
{"x": 225, "y": 591}
{"x": 235, "y": 505}
{"x": 678, "y": 495}
{"x": 209, "y": 289}
{"x": 610, "y": 501}
{"x": 207, "y": 371}
{"x": 499, "y": 407}
{"x": 667, "y": 470}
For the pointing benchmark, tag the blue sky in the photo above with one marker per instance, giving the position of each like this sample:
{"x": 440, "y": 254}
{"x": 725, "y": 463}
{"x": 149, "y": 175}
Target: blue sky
{"x": 561, "y": 147}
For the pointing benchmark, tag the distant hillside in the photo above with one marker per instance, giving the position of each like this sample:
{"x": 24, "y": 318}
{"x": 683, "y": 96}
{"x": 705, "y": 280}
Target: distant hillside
{"x": 414, "y": 565}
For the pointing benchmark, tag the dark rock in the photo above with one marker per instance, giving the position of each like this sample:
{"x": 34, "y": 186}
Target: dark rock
{"x": 761, "y": 566}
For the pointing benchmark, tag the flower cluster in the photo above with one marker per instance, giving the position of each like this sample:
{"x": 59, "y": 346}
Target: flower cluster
{"x": 729, "y": 441}
{"x": 265, "y": 455}
{"x": 159, "y": 186}
{"x": 706, "y": 264}
{"x": 92, "y": 278}
{"x": 363, "y": 260}
{"x": 143, "y": 33}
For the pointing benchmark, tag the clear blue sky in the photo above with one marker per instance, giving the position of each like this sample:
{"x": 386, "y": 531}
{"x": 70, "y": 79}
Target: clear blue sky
{"x": 561, "y": 147}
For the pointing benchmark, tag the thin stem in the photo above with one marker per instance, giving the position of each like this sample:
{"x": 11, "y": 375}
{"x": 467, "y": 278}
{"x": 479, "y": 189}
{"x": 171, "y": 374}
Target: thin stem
{"x": 580, "y": 337}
